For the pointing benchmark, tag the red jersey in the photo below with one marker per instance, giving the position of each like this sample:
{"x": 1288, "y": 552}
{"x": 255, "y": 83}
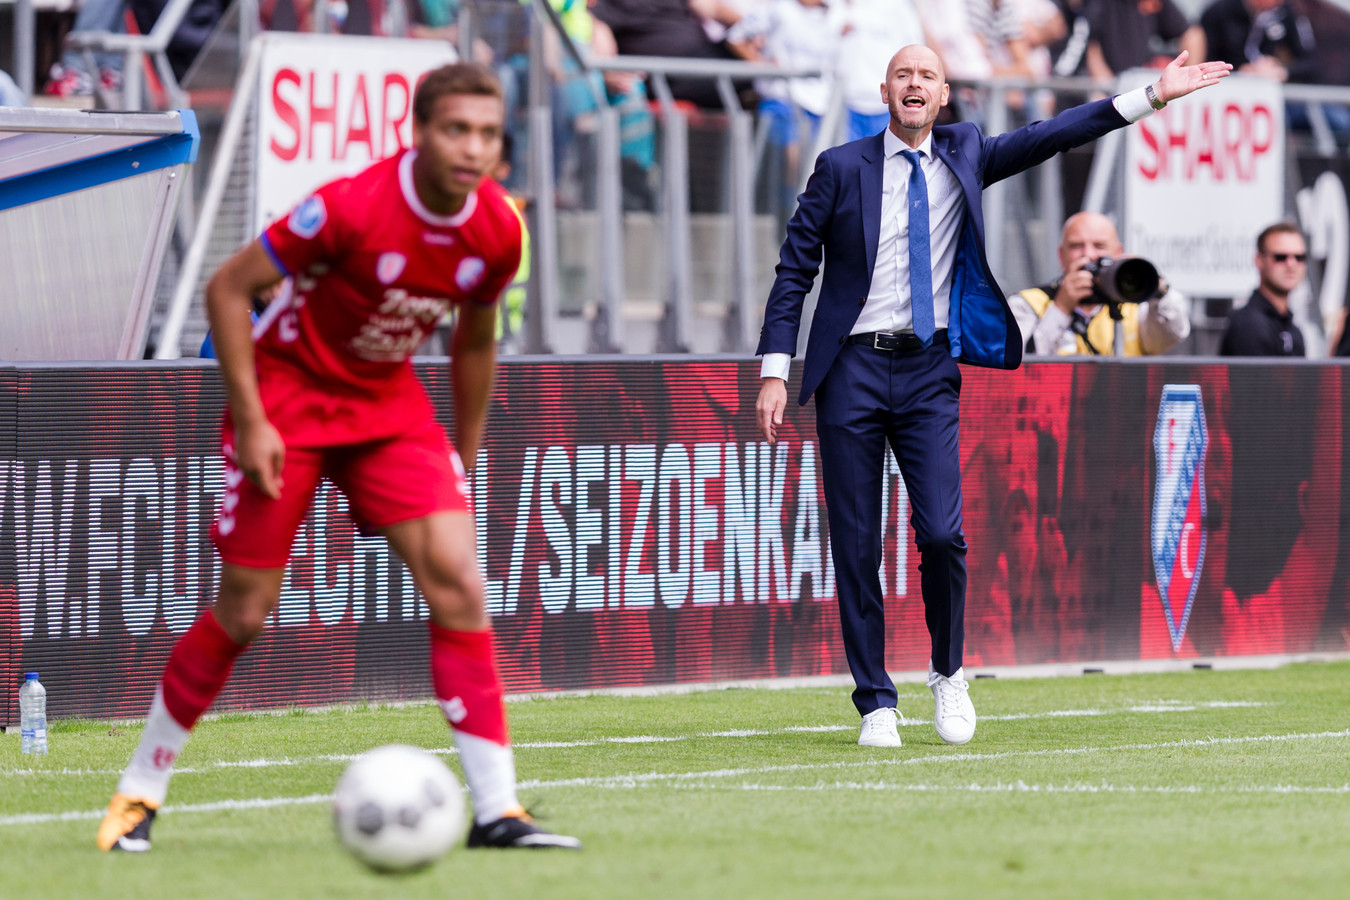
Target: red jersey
{"x": 373, "y": 272}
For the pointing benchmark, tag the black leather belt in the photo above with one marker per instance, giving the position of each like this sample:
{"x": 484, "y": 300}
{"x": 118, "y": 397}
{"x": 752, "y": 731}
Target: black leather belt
{"x": 896, "y": 342}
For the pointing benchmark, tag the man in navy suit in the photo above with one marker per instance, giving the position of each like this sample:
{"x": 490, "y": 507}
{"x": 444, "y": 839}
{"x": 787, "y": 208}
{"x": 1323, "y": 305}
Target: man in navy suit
{"x": 908, "y": 293}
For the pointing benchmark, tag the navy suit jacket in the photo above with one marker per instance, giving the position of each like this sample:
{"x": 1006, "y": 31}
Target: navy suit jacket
{"x": 840, "y": 212}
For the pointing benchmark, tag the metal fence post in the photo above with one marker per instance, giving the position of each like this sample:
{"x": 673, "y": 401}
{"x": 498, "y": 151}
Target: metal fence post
{"x": 24, "y": 31}
{"x": 996, "y": 195}
{"x": 541, "y": 309}
{"x": 740, "y": 130}
{"x": 678, "y": 326}
{"x": 607, "y": 331}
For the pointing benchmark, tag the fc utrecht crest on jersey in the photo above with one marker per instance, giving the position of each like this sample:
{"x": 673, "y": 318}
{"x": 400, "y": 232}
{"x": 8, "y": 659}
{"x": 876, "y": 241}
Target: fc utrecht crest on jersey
{"x": 469, "y": 273}
{"x": 307, "y": 219}
{"x": 1179, "y": 502}
{"x": 389, "y": 266}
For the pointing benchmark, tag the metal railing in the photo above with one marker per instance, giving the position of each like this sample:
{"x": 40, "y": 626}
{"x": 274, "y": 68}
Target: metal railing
{"x": 25, "y": 19}
{"x": 676, "y": 332}
{"x": 135, "y": 49}
{"x": 605, "y": 315}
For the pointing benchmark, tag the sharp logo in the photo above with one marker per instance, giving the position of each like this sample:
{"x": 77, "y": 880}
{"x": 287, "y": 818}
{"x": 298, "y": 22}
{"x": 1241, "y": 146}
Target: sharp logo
{"x": 1178, "y": 532}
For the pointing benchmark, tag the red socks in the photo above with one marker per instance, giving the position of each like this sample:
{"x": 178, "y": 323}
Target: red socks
{"x": 198, "y": 668}
{"x": 463, "y": 674}
{"x": 468, "y": 688}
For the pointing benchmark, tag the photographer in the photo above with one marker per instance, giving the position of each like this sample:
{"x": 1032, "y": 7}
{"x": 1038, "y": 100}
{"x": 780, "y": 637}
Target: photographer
{"x": 1072, "y": 316}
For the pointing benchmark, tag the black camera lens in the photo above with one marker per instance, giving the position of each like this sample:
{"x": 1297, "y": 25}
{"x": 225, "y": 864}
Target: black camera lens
{"x": 1129, "y": 279}
{"x": 1136, "y": 280}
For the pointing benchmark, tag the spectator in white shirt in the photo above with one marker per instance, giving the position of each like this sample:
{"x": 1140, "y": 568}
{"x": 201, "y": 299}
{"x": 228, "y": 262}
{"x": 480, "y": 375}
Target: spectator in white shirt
{"x": 795, "y": 34}
{"x": 872, "y": 32}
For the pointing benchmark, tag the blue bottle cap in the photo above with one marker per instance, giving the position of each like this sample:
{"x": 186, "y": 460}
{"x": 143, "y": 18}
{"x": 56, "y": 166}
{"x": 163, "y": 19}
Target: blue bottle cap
{"x": 30, "y": 676}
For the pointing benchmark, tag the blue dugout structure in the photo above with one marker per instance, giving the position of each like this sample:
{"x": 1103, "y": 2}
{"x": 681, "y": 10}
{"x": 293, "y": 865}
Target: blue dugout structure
{"x": 87, "y": 206}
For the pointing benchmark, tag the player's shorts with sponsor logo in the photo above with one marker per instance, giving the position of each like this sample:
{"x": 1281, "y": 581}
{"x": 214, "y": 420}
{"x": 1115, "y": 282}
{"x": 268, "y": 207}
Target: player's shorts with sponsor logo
{"x": 399, "y": 467}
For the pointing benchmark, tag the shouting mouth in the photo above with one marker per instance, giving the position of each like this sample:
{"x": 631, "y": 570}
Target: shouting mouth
{"x": 913, "y": 102}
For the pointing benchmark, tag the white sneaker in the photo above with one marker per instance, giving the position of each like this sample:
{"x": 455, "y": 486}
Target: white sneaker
{"x": 953, "y": 714}
{"x": 879, "y": 728}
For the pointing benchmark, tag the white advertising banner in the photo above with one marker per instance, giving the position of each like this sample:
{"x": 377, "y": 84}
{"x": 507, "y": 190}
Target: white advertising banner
{"x": 330, "y": 105}
{"x": 1203, "y": 177}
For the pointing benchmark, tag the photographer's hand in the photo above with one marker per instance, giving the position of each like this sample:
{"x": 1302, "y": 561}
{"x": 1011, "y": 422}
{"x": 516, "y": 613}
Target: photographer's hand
{"x": 1179, "y": 79}
{"x": 1074, "y": 287}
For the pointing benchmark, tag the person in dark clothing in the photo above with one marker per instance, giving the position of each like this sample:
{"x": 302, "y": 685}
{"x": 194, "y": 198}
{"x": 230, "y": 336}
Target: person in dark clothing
{"x": 670, "y": 28}
{"x": 1265, "y": 326}
{"x": 192, "y": 33}
{"x": 1274, "y": 39}
{"x": 1124, "y": 34}
{"x": 1261, "y": 37}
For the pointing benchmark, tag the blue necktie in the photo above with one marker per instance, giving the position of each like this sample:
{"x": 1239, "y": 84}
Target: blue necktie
{"x": 920, "y": 263}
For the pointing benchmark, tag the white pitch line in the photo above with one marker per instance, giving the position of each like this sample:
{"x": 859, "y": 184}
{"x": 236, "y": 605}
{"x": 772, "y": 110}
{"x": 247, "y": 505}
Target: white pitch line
{"x": 1021, "y": 787}
{"x": 1159, "y": 706}
{"x": 257, "y": 803}
{"x": 690, "y": 780}
{"x": 627, "y": 781}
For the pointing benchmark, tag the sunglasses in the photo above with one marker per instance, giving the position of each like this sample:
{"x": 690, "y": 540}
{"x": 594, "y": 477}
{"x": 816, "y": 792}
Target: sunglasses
{"x": 1285, "y": 257}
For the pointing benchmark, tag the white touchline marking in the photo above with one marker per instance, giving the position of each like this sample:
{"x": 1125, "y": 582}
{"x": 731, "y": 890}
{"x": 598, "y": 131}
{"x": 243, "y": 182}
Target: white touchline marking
{"x": 1023, "y": 787}
{"x": 1160, "y": 706}
{"x": 657, "y": 777}
{"x": 691, "y": 779}
{"x": 258, "y": 803}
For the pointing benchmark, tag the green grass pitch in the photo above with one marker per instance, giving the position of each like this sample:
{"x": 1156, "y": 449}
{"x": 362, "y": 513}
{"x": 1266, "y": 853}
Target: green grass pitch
{"x": 1223, "y": 784}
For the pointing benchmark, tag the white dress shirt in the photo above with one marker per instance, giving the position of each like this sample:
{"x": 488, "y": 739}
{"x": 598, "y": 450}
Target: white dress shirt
{"x": 888, "y": 305}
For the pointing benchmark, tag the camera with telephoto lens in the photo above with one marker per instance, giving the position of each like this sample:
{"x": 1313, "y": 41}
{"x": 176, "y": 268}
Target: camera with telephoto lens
{"x": 1125, "y": 279}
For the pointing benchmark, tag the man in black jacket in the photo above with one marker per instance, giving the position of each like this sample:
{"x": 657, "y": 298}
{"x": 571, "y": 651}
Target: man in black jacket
{"x": 1265, "y": 326}
{"x": 1261, "y": 37}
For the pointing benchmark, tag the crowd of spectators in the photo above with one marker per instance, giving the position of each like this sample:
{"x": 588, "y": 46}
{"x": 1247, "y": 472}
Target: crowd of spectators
{"x": 850, "y": 40}
{"x": 976, "y": 39}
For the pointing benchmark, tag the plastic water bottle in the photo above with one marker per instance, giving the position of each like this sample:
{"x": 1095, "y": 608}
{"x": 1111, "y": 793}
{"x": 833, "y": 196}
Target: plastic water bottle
{"x": 33, "y": 714}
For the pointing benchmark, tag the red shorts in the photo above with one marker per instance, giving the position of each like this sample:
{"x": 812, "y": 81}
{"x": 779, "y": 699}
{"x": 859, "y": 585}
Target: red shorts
{"x": 388, "y": 481}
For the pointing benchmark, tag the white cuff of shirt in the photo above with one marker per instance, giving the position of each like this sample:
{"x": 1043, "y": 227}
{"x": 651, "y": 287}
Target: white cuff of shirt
{"x": 775, "y": 365}
{"x": 1133, "y": 105}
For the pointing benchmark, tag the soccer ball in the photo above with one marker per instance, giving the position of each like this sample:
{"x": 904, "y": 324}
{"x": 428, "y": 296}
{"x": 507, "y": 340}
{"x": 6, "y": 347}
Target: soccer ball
{"x": 398, "y": 808}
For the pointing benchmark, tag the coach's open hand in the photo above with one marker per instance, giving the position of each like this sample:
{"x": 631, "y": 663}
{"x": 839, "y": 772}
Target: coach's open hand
{"x": 1179, "y": 79}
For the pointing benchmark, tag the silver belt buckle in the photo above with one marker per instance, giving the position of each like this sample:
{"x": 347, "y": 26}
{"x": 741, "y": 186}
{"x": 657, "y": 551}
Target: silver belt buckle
{"x": 876, "y": 340}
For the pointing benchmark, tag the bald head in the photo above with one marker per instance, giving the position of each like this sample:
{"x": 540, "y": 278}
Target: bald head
{"x": 1087, "y": 235}
{"x": 917, "y": 53}
{"x": 915, "y": 90}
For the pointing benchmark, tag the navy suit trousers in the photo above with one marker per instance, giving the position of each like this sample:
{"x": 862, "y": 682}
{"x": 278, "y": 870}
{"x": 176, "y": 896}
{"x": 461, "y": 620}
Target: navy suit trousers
{"x": 911, "y": 401}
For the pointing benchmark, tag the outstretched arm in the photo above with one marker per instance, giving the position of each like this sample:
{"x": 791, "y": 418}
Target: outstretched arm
{"x": 1016, "y": 151}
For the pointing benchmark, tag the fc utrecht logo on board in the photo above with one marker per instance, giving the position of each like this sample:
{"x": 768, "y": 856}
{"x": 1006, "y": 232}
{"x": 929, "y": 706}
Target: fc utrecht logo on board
{"x": 1179, "y": 502}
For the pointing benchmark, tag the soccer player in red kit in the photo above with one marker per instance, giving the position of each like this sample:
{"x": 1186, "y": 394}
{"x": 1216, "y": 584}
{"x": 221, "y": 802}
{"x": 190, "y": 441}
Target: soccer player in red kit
{"x": 322, "y": 387}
